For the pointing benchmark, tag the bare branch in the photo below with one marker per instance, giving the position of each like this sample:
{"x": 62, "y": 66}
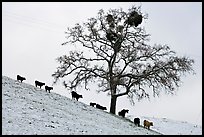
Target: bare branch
{"x": 116, "y": 57}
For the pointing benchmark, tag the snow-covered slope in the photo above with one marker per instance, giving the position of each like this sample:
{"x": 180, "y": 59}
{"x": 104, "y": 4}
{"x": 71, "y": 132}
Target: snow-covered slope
{"x": 30, "y": 110}
{"x": 173, "y": 127}
{"x": 168, "y": 126}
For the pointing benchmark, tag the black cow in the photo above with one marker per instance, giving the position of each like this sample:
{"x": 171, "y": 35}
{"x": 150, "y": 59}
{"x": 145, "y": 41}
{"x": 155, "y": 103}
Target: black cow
{"x": 20, "y": 78}
{"x": 137, "y": 121}
{"x": 122, "y": 112}
{"x": 75, "y": 95}
{"x": 48, "y": 88}
{"x": 38, "y": 83}
{"x": 100, "y": 107}
{"x": 92, "y": 104}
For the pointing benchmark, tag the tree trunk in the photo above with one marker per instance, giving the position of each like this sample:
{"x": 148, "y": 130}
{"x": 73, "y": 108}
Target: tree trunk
{"x": 113, "y": 104}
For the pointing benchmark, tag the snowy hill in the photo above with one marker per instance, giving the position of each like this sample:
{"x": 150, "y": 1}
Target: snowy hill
{"x": 30, "y": 110}
{"x": 172, "y": 127}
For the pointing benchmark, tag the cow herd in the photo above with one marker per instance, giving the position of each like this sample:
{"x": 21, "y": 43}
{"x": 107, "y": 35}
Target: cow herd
{"x": 146, "y": 123}
{"x": 37, "y": 83}
{"x": 76, "y": 96}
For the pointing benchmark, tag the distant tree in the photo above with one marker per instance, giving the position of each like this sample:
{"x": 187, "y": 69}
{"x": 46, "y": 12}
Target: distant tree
{"x": 115, "y": 54}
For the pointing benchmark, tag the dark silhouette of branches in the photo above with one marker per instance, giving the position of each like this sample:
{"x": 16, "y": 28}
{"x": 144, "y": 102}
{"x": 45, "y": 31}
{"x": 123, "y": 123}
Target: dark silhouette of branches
{"x": 118, "y": 58}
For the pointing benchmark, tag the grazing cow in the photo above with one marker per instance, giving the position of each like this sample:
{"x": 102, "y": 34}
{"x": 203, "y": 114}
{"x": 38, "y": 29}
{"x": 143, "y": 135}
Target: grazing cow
{"x": 92, "y": 104}
{"x": 40, "y": 84}
{"x": 137, "y": 121}
{"x": 122, "y": 112}
{"x": 75, "y": 95}
{"x": 48, "y": 88}
{"x": 20, "y": 78}
{"x": 101, "y": 107}
{"x": 147, "y": 124}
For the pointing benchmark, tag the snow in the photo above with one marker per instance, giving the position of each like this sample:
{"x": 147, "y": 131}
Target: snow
{"x": 175, "y": 127}
{"x": 172, "y": 127}
{"x": 28, "y": 110}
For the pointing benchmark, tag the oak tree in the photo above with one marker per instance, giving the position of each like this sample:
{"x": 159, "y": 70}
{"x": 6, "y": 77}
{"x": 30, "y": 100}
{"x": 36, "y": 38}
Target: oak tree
{"x": 112, "y": 51}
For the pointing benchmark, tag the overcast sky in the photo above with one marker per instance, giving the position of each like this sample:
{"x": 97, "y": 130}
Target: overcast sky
{"x": 32, "y": 34}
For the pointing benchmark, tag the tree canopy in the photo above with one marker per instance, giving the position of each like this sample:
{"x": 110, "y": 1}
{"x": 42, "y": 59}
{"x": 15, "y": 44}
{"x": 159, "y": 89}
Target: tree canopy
{"x": 112, "y": 51}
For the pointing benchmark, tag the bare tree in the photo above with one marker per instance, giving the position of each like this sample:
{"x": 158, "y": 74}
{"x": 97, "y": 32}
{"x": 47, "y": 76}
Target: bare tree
{"x": 119, "y": 59}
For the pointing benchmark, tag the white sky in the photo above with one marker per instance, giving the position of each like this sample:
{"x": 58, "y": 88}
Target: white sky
{"x": 32, "y": 34}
